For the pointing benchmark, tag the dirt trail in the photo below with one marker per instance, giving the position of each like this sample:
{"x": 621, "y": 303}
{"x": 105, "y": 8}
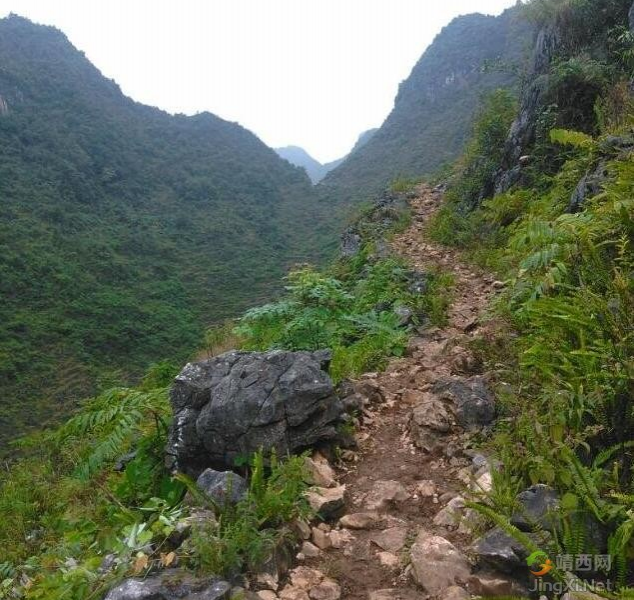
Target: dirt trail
{"x": 387, "y": 452}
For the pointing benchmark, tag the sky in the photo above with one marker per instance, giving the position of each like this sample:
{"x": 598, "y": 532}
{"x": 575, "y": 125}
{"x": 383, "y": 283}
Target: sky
{"x": 310, "y": 73}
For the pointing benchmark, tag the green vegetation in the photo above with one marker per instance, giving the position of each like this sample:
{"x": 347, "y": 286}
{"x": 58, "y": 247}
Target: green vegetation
{"x": 63, "y": 509}
{"x": 570, "y": 300}
{"x": 353, "y": 315}
{"x": 124, "y": 231}
{"x": 246, "y": 534}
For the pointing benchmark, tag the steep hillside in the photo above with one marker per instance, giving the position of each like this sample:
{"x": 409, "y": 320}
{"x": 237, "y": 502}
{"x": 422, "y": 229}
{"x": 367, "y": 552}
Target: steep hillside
{"x": 123, "y": 230}
{"x": 434, "y": 107}
{"x": 316, "y": 171}
{"x": 479, "y": 440}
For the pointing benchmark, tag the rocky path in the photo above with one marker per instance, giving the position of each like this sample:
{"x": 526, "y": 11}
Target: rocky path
{"x": 405, "y": 531}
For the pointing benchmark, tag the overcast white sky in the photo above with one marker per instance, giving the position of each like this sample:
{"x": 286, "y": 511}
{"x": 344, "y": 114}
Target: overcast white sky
{"x": 312, "y": 73}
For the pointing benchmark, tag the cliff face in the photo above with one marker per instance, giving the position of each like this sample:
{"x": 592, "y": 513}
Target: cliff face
{"x": 522, "y": 133}
{"x": 564, "y": 72}
{"x": 435, "y": 105}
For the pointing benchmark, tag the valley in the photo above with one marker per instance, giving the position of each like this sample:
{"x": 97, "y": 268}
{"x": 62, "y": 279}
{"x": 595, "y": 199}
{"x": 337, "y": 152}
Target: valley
{"x": 245, "y": 379}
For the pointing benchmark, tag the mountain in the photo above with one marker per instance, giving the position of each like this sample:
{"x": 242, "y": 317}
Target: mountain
{"x": 124, "y": 231}
{"x": 434, "y": 108}
{"x": 300, "y": 158}
{"x": 316, "y": 171}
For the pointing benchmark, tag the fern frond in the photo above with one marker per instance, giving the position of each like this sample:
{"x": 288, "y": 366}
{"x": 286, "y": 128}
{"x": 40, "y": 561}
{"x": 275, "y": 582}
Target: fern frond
{"x": 567, "y": 137}
{"x": 110, "y": 422}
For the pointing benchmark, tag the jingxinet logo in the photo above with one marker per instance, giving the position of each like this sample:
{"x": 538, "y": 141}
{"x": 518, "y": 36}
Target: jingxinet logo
{"x": 539, "y": 558}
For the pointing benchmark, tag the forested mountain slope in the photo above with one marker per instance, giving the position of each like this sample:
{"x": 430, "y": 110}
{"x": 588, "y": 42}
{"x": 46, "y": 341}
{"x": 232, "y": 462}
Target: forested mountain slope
{"x": 481, "y": 339}
{"x": 123, "y": 230}
{"x": 434, "y": 107}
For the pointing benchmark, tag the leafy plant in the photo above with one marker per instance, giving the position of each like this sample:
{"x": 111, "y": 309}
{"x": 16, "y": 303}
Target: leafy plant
{"x": 245, "y": 535}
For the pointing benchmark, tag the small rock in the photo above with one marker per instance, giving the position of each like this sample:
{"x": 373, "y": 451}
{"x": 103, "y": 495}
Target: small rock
{"x": 479, "y": 461}
{"x": 306, "y": 578}
{"x": 437, "y": 563}
{"x": 427, "y": 440}
{"x": 470, "y": 522}
{"x": 432, "y": 414}
{"x": 292, "y": 593}
{"x": 484, "y": 483}
{"x": 170, "y": 585}
{"x": 370, "y": 391}
{"x": 426, "y": 488}
{"x": 353, "y": 404}
{"x": 278, "y": 562}
{"x": 310, "y": 584}
{"x": 581, "y": 594}
{"x": 267, "y": 580}
{"x": 387, "y": 594}
{"x": 391, "y": 540}
{"x": 267, "y": 595}
{"x": 320, "y": 472}
{"x": 363, "y": 520}
{"x": 447, "y": 497}
{"x": 310, "y": 550}
{"x": 340, "y": 538}
{"x": 452, "y": 513}
{"x": 326, "y": 590}
{"x": 389, "y": 560}
{"x": 501, "y": 552}
{"x": 537, "y": 507}
{"x": 328, "y": 503}
{"x": 454, "y": 592}
{"x": 405, "y": 315}
{"x": 302, "y": 529}
{"x": 473, "y": 403}
{"x": 384, "y": 494}
{"x": 495, "y": 586}
{"x": 321, "y": 539}
{"x": 222, "y": 487}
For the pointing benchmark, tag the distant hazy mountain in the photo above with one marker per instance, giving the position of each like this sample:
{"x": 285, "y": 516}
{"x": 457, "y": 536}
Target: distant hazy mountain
{"x": 434, "y": 107}
{"x": 299, "y": 157}
{"x": 317, "y": 171}
{"x": 124, "y": 231}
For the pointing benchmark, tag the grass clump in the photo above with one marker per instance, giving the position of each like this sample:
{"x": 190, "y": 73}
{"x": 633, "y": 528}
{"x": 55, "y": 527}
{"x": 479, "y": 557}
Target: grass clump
{"x": 356, "y": 315}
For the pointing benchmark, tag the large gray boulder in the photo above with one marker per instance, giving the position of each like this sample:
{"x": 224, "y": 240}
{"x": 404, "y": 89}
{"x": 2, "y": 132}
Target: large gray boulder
{"x": 233, "y": 405}
{"x": 170, "y": 585}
